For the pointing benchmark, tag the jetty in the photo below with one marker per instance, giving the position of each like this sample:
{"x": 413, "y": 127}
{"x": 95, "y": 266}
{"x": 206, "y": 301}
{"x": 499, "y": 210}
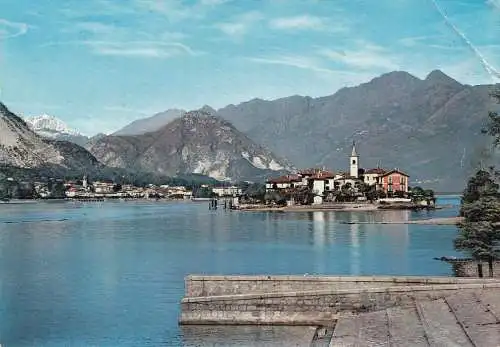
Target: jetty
{"x": 353, "y": 311}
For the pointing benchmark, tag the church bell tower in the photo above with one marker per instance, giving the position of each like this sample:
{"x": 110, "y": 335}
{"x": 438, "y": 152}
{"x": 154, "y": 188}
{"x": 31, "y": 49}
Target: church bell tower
{"x": 354, "y": 161}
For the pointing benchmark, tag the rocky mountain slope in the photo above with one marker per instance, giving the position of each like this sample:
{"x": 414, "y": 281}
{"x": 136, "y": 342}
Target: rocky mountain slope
{"x": 53, "y": 128}
{"x": 197, "y": 142}
{"x": 430, "y": 128}
{"x": 142, "y": 126}
{"x": 22, "y": 148}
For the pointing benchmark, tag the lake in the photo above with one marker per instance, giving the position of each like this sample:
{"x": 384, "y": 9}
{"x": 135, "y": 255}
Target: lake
{"x": 112, "y": 273}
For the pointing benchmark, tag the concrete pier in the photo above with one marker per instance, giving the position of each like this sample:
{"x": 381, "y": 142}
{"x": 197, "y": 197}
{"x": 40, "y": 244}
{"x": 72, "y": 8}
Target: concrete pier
{"x": 378, "y": 308}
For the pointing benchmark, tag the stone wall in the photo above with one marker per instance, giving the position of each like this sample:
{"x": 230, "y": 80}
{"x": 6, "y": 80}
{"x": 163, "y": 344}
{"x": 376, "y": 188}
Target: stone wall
{"x": 315, "y": 307}
{"x": 225, "y": 285}
{"x": 469, "y": 268}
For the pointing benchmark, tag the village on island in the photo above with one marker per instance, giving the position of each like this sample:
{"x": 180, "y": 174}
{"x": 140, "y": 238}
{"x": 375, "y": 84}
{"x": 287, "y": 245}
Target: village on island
{"x": 359, "y": 187}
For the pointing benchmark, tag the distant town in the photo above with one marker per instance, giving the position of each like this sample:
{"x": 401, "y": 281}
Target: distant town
{"x": 85, "y": 190}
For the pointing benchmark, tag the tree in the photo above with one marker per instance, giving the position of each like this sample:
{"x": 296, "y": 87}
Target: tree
{"x": 480, "y": 207}
{"x": 276, "y": 197}
{"x": 480, "y": 232}
{"x": 481, "y": 184}
{"x": 254, "y": 191}
{"x": 493, "y": 128}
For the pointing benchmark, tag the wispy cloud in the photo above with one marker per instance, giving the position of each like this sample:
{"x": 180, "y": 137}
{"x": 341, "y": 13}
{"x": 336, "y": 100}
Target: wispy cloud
{"x": 361, "y": 54}
{"x": 303, "y": 22}
{"x": 93, "y": 7}
{"x": 299, "y": 62}
{"x": 10, "y": 29}
{"x": 95, "y": 28}
{"x": 176, "y": 10}
{"x": 363, "y": 59}
{"x": 430, "y": 41}
{"x": 114, "y": 33}
{"x": 146, "y": 49}
{"x": 413, "y": 41}
{"x": 240, "y": 25}
{"x": 151, "y": 49}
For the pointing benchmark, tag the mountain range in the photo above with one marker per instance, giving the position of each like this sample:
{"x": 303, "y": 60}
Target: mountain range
{"x": 197, "y": 142}
{"x": 430, "y": 128}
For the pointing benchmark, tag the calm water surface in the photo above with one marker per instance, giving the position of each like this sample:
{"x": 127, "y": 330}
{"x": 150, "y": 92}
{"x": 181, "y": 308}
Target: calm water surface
{"x": 111, "y": 274}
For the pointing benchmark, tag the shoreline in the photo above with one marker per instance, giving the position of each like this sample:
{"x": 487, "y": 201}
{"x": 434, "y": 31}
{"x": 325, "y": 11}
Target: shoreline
{"x": 339, "y": 207}
{"x": 430, "y": 221}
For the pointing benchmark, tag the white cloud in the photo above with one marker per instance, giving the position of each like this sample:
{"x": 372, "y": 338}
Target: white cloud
{"x": 369, "y": 57}
{"x": 10, "y": 29}
{"x": 146, "y": 49}
{"x": 152, "y": 49}
{"x": 233, "y": 29}
{"x": 303, "y": 22}
{"x": 240, "y": 25}
{"x": 305, "y": 63}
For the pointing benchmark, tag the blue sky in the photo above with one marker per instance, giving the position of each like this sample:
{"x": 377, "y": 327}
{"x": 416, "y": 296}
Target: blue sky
{"x": 99, "y": 64}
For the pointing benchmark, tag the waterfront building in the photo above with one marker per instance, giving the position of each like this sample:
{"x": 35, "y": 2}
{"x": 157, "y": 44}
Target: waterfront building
{"x": 394, "y": 181}
{"x": 227, "y": 191}
{"x": 322, "y": 182}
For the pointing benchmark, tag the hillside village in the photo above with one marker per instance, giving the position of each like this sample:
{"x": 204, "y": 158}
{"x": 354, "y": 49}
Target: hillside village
{"x": 318, "y": 186}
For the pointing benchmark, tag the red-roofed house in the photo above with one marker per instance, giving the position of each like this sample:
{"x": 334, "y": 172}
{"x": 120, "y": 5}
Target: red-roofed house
{"x": 395, "y": 181}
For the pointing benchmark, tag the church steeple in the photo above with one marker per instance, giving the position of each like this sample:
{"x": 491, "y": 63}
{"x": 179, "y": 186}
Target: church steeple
{"x": 353, "y": 153}
{"x": 354, "y": 162}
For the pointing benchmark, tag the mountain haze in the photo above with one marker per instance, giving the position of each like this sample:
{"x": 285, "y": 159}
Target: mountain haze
{"x": 197, "y": 142}
{"x": 153, "y": 123}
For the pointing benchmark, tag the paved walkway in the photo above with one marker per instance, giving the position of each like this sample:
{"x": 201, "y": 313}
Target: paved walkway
{"x": 465, "y": 319}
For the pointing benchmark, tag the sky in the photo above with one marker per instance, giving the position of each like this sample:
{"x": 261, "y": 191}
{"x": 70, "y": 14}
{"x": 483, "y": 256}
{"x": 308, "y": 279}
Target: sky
{"x": 100, "y": 64}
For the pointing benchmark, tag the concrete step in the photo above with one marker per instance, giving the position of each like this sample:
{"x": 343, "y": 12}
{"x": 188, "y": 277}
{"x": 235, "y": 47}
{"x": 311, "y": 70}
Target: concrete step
{"x": 367, "y": 329}
{"x": 477, "y": 320}
{"x": 440, "y": 324}
{"x": 346, "y": 332}
{"x": 405, "y": 328}
{"x": 492, "y": 301}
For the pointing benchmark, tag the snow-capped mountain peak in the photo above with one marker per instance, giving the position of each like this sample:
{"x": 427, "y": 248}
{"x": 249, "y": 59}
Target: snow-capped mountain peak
{"x": 50, "y": 126}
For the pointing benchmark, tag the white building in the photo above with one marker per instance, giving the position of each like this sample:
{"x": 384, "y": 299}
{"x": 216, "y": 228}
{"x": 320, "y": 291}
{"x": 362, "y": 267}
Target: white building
{"x": 227, "y": 191}
{"x": 284, "y": 182}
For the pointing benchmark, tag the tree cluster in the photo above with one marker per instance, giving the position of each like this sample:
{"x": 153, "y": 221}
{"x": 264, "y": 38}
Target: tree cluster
{"x": 480, "y": 206}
